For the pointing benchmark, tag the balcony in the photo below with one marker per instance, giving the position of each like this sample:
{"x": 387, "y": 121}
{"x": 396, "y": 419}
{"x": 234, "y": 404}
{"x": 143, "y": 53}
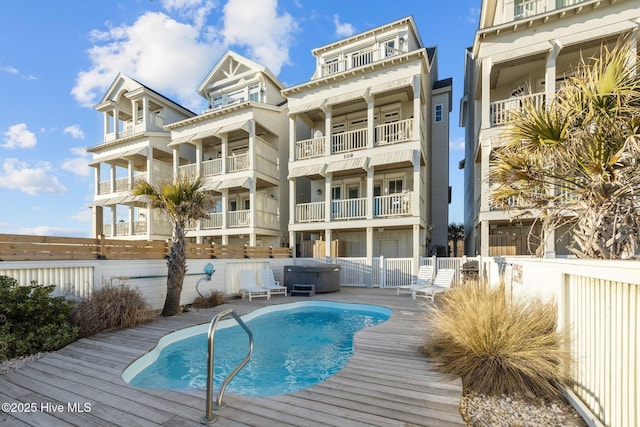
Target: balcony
{"x": 393, "y": 133}
{"x": 500, "y": 111}
{"x": 345, "y": 142}
{"x": 266, "y": 161}
{"x": 139, "y": 228}
{"x": 240, "y": 218}
{"x": 388, "y": 206}
{"x": 358, "y": 59}
{"x": 120, "y": 184}
{"x": 515, "y": 10}
{"x": 308, "y": 148}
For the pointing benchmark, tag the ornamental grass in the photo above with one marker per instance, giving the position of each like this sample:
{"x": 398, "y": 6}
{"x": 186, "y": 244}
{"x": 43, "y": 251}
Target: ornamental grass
{"x": 498, "y": 345}
{"x": 110, "y": 307}
{"x": 210, "y": 300}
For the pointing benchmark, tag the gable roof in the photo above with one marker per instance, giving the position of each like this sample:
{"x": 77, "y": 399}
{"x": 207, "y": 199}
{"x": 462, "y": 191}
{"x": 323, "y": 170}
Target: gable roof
{"x": 124, "y": 83}
{"x": 233, "y": 64}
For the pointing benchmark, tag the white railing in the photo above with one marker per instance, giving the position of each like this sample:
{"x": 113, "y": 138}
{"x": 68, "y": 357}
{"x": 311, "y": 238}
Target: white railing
{"x": 239, "y": 218}
{"x": 140, "y": 227}
{"x": 353, "y": 271}
{"x": 392, "y": 133}
{"x": 528, "y": 8}
{"x": 500, "y": 111}
{"x": 309, "y": 148}
{"x": 139, "y": 177}
{"x": 393, "y": 204}
{"x": 107, "y": 230}
{"x": 122, "y": 184}
{"x": 212, "y": 167}
{"x": 392, "y": 272}
{"x": 349, "y": 209}
{"x": 349, "y": 141}
{"x": 238, "y": 162}
{"x": 266, "y": 213}
{"x": 122, "y": 229}
{"x": 189, "y": 171}
{"x": 310, "y": 212}
{"x": 104, "y": 187}
{"x": 213, "y": 220}
{"x": 358, "y": 59}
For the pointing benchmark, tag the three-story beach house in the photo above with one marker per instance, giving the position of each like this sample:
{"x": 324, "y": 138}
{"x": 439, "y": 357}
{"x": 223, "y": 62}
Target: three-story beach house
{"x": 368, "y": 148}
{"x": 524, "y": 49}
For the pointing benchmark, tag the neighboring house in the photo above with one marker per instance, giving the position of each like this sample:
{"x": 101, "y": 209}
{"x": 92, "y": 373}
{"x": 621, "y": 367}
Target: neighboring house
{"x": 524, "y": 49}
{"x": 135, "y": 146}
{"x": 357, "y": 156}
{"x": 369, "y": 144}
{"x": 240, "y": 147}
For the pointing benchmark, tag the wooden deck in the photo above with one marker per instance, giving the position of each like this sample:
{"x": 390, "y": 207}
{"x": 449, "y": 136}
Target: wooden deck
{"x": 386, "y": 383}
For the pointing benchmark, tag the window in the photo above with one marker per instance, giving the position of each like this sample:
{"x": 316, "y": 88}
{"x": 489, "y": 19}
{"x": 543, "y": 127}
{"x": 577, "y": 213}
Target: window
{"x": 237, "y": 96}
{"x": 389, "y": 48}
{"x": 336, "y": 193}
{"x": 217, "y": 102}
{"x": 331, "y": 65}
{"x": 438, "y": 113}
{"x": 395, "y": 186}
{"x": 254, "y": 92}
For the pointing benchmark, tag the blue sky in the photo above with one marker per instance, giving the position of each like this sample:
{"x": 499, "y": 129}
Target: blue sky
{"x": 57, "y": 58}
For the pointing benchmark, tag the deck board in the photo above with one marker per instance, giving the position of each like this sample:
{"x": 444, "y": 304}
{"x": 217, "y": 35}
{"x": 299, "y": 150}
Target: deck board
{"x": 386, "y": 383}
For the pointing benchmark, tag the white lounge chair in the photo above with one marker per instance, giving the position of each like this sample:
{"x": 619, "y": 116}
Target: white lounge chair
{"x": 249, "y": 286}
{"x": 442, "y": 283}
{"x": 425, "y": 276}
{"x": 267, "y": 281}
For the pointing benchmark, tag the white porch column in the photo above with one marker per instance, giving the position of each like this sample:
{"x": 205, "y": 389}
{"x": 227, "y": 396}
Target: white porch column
{"x": 370, "y": 121}
{"x": 130, "y": 174}
{"x": 370, "y": 195}
{"x": 105, "y": 123}
{"x": 96, "y": 174}
{"x": 151, "y": 216}
{"x": 292, "y": 137}
{"x": 145, "y": 112}
{"x": 150, "y": 175}
{"x": 252, "y": 147}
{"x": 252, "y": 211}
{"x": 131, "y": 224}
{"x": 369, "y": 278}
{"x": 632, "y": 43}
{"x": 327, "y": 197}
{"x": 327, "y": 243}
{"x": 198, "y": 157}
{"x": 484, "y": 173}
{"x": 327, "y": 129}
{"x": 486, "y": 93}
{"x": 550, "y": 72}
{"x": 176, "y": 163}
{"x": 112, "y": 178}
{"x": 134, "y": 115}
{"x": 224, "y": 148}
{"x": 292, "y": 201}
{"x": 415, "y": 240}
{"x": 116, "y": 123}
{"x": 417, "y": 111}
{"x": 417, "y": 181}
{"x": 550, "y": 244}
{"x": 114, "y": 221}
{"x": 484, "y": 238}
{"x": 293, "y": 243}
{"x": 225, "y": 208}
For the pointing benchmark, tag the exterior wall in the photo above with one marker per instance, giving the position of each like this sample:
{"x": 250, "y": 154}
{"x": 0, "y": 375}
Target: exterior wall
{"x": 440, "y": 170}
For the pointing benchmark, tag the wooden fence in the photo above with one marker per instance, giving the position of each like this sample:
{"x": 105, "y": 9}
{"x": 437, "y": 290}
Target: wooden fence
{"x": 14, "y": 247}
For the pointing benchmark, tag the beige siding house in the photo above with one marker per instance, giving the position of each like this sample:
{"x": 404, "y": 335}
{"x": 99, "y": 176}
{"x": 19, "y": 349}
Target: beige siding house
{"x": 363, "y": 144}
{"x": 524, "y": 49}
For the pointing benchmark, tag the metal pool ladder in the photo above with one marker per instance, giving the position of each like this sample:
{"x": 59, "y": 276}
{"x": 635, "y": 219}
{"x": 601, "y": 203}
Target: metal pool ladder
{"x": 209, "y": 418}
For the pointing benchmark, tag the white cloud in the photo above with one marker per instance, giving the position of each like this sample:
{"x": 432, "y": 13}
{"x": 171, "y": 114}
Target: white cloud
{"x": 343, "y": 29}
{"x": 9, "y": 69}
{"x": 257, "y": 25}
{"x": 79, "y": 164}
{"x": 164, "y": 54}
{"x": 75, "y": 131}
{"x": 457, "y": 144}
{"x": 474, "y": 15}
{"x": 18, "y": 136}
{"x": 84, "y": 214}
{"x": 17, "y": 175}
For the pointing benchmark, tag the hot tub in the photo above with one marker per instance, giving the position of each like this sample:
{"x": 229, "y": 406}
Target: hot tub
{"x": 325, "y": 277}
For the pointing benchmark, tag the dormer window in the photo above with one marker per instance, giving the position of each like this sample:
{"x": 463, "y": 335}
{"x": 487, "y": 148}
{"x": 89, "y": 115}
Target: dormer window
{"x": 217, "y": 102}
{"x": 236, "y": 97}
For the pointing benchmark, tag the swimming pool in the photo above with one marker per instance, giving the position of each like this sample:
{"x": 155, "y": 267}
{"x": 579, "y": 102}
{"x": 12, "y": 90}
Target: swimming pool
{"x": 295, "y": 346}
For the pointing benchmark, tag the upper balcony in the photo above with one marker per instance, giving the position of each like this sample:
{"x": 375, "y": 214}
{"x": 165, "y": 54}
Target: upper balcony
{"x": 501, "y": 111}
{"x": 359, "y": 58}
{"x": 514, "y": 10}
{"x": 387, "y": 206}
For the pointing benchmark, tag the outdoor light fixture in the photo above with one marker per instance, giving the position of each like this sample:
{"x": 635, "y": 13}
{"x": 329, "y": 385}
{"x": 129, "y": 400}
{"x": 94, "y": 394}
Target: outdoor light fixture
{"x": 319, "y": 192}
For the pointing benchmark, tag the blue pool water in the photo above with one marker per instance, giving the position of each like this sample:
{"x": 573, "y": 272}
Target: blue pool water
{"x": 295, "y": 346}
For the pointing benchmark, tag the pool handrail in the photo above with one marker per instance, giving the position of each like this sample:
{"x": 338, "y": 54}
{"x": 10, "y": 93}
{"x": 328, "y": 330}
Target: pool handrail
{"x": 209, "y": 418}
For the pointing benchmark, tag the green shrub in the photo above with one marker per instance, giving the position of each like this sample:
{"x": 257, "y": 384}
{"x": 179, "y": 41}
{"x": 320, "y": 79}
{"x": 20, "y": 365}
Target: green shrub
{"x": 496, "y": 345}
{"x": 213, "y": 299}
{"x": 110, "y": 307}
{"x": 31, "y": 320}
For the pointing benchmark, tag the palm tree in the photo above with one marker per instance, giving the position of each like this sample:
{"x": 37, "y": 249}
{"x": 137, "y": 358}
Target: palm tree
{"x": 576, "y": 162}
{"x": 456, "y": 233}
{"x": 183, "y": 201}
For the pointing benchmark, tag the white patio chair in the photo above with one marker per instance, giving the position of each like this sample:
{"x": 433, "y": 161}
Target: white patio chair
{"x": 249, "y": 286}
{"x": 267, "y": 281}
{"x": 442, "y": 283}
{"x": 425, "y": 276}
